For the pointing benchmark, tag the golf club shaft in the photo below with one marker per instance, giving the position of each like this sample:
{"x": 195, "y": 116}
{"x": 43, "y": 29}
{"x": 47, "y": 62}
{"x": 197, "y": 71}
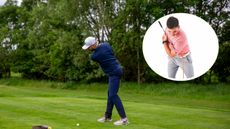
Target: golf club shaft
{"x": 161, "y": 26}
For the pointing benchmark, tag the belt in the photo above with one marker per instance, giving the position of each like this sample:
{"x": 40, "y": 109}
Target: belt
{"x": 184, "y": 55}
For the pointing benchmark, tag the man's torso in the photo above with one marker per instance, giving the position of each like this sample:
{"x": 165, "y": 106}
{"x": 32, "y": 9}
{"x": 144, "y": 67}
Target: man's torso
{"x": 104, "y": 55}
{"x": 179, "y": 43}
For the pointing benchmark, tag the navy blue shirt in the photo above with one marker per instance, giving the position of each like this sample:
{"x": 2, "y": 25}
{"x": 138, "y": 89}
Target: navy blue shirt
{"x": 103, "y": 55}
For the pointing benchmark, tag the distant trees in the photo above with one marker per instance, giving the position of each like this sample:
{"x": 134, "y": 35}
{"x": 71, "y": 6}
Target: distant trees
{"x": 42, "y": 39}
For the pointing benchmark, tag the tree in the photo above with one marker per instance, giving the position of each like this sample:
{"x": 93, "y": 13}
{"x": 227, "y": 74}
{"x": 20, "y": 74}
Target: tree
{"x": 9, "y": 15}
{"x": 42, "y": 39}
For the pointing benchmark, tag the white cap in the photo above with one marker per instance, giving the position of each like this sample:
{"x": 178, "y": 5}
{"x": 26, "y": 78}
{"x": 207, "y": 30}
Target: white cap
{"x": 89, "y": 41}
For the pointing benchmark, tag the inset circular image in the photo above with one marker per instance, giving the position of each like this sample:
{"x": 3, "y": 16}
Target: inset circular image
{"x": 180, "y": 47}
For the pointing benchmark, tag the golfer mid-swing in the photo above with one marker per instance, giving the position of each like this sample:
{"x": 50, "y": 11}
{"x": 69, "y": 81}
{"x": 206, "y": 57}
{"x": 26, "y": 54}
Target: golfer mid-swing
{"x": 176, "y": 46}
{"x": 103, "y": 54}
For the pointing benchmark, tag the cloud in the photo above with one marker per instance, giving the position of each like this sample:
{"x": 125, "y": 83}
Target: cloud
{"x": 2, "y": 2}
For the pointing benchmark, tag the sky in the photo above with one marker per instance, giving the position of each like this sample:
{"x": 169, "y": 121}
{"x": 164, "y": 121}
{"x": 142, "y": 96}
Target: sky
{"x": 3, "y": 1}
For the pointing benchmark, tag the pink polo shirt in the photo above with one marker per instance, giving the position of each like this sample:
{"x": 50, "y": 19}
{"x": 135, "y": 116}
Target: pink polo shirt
{"x": 179, "y": 43}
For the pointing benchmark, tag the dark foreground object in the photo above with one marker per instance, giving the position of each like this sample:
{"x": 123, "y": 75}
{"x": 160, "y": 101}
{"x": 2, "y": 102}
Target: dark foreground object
{"x": 41, "y": 127}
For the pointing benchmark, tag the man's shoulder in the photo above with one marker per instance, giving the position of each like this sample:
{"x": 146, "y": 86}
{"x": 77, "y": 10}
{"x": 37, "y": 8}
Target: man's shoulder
{"x": 105, "y": 44}
{"x": 182, "y": 33}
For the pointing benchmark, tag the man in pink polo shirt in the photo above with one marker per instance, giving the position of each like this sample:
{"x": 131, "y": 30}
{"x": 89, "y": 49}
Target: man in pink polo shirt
{"x": 176, "y": 46}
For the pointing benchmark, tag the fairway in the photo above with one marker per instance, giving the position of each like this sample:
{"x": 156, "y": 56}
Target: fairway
{"x": 148, "y": 107}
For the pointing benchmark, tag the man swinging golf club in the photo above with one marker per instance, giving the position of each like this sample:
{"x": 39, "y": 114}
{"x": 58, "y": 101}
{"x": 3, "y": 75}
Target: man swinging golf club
{"x": 176, "y": 46}
{"x": 103, "y": 54}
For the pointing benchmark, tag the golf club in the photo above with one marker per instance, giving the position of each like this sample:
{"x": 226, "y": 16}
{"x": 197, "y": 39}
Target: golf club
{"x": 161, "y": 26}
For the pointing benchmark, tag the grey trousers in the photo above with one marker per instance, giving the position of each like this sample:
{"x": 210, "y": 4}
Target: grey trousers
{"x": 184, "y": 63}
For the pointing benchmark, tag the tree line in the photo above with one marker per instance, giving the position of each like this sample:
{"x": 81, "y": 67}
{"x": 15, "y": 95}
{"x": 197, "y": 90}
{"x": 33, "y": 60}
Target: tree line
{"x": 42, "y": 39}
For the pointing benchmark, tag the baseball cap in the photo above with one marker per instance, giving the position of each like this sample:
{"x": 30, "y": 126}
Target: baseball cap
{"x": 88, "y": 42}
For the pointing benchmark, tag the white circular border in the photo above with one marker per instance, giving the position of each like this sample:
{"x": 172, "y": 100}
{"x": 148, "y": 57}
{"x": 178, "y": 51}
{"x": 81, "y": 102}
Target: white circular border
{"x": 202, "y": 39}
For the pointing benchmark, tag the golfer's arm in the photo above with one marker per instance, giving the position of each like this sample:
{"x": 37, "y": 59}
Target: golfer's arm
{"x": 168, "y": 50}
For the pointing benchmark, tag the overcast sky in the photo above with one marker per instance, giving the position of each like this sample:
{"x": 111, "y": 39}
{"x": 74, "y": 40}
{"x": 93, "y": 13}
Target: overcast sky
{"x": 3, "y": 1}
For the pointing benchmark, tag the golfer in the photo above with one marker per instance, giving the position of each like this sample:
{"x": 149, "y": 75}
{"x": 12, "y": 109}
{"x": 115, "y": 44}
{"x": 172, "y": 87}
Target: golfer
{"x": 176, "y": 46}
{"x": 103, "y": 54}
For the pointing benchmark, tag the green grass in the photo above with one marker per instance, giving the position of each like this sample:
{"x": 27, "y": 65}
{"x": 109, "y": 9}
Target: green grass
{"x": 24, "y": 103}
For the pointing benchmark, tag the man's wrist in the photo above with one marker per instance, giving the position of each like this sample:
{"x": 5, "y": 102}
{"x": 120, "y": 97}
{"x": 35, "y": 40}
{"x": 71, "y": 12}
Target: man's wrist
{"x": 165, "y": 42}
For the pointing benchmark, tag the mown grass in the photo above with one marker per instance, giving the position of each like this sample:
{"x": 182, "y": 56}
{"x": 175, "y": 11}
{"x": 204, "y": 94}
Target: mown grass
{"x": 24, "y": 103}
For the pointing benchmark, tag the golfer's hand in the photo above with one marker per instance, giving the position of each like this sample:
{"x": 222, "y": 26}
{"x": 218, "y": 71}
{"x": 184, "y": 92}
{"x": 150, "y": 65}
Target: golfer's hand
{"x": 170, "y": 46}
{"x": 173, "y": 53}
{"x": 164, "y": 38}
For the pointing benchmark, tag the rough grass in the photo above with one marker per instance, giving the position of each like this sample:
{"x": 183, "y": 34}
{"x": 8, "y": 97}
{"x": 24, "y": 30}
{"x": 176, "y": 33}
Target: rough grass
{"x": 24, "y": 103}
